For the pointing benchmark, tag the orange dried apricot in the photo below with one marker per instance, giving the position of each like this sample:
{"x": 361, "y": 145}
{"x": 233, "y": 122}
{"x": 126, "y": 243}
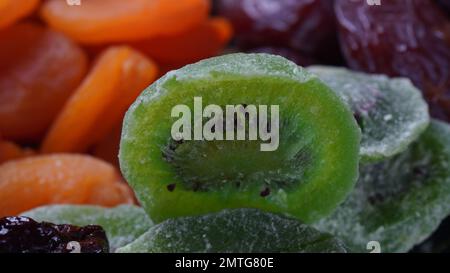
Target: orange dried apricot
{"x": 59, "y": 179}
{"x": 104, "y": 21}
{"x": 13, "y": 10}
{"x": 9, "y": 151}
{"x": 108, "y": 148}
{"x": 39, "y": 69}
{"x": 100, "y": 102}
{"x": 203, "y": 41}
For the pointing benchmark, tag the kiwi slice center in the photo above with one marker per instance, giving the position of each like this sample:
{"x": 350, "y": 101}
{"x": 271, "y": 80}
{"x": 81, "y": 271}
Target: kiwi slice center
{"x": 229, "y": 165}
{"x": 240, "y": 164}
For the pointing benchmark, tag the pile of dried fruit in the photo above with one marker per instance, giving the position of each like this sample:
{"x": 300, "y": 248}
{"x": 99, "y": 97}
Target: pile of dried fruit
{"x": 68, "y": 75}
{"x": 406, "y": 38}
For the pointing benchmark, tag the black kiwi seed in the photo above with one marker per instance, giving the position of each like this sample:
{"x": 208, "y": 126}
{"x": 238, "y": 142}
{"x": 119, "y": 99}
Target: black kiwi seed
{"x": 171, "y": 187}
{"x": 376, "y": 198}
{"x": 196, "y": 187}
{"x": 265, "y": 192}
{"x": 420, "y": 171}
{"x": 168, "y": 151}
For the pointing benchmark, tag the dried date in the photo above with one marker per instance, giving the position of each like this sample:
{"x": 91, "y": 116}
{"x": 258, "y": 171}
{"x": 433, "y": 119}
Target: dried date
{"x": 307, "y": 26}
{"x": 24, "y": 235}
{"x": 409, "y": 38}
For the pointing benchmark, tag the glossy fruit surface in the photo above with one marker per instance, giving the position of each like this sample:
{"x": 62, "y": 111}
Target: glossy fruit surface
{"x": 304, "y": 25}
{"x": 106, "y": 21}
{"x": 400, "y": 38}
{"x": 39, "y": 70}
{"x": 24, "y": 235}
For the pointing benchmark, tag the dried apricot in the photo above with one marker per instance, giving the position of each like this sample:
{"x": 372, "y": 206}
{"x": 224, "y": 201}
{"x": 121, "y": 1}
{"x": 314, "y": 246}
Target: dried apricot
{"x": 103, "y": 21}
{"x": 203, "y": 41}
{"x": 100, "y": 102}
{"x": 9, "y": 151}
{"x": 108, "y": 148}
{"x": 13, "y": 10}
{"x": 39, "y": 69}
{"x": 59, "y": 179}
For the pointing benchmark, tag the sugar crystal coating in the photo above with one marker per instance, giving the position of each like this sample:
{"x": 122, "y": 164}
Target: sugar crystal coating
{"x": 390, "y": 111}
{"x": 398, "y": 202}
{"x": 234, "y": 231}
{"x": 317, "y": 154}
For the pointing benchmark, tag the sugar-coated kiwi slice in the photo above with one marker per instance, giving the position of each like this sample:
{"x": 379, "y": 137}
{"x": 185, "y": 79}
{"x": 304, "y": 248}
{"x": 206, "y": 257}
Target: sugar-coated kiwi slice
{"x": 122, "y": 224}
{"x": 312, "y": 170}
{"x": 401, "y": 201}
{"x": 390, "y": 111}
{"x": 234, "y": 231}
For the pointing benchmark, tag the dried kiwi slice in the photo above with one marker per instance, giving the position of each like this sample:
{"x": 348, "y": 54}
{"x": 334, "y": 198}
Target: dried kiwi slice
{"x": 234, "y": 231}
{"x": 390, "y": 111}
{"x": 311, "y": 172}
{"x": 401, "y": 201}
{"x": 123, "y": 224}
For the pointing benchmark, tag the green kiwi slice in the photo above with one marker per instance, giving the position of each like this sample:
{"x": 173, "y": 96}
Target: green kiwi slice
{"x": 401, "y": 201}
{"x": 312, "y": 170}
{"x": 122, "y": 224}
{"x": 390, "y": 111}
{"x": 234, "y": 231}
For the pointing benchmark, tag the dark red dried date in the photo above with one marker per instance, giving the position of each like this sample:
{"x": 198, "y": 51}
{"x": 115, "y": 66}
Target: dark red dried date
{"x": 24, "y": 235}
{"x": 409, "y": 38}
{"x": 305, "y": 25}
{"x": 445, "y": 4}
